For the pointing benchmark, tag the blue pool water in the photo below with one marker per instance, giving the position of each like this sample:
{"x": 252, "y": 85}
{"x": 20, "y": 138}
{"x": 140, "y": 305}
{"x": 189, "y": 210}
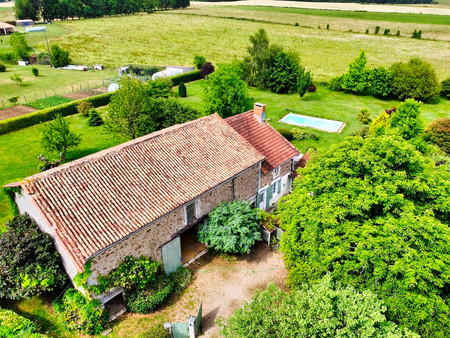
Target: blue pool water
{"x": 313, "y": 122}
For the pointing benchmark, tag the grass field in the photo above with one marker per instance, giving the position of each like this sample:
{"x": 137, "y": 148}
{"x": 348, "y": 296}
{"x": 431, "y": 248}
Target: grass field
{"x": 433, "y": 26}
{"x": 169, "y": 38}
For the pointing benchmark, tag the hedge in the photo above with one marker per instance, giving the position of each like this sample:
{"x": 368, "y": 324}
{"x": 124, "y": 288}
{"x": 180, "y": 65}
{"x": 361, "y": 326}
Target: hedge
{"x": 48, "y": 114}
{"x": 186, "y": 77}
{"x": 14, "y": 325}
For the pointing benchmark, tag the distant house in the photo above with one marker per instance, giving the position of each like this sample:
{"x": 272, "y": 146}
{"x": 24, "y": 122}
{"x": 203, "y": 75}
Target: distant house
{"x": 148, "y": 195}
{"x": 25, "y": 22}
{"x": 6, "y": 28}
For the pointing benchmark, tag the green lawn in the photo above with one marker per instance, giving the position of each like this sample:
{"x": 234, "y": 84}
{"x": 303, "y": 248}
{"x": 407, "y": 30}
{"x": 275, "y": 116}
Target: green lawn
{"x": 323, "y": 103}
{"x": 171, "y": 38}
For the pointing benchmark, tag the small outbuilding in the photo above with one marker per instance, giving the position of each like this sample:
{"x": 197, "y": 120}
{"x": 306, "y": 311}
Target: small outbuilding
{"x": 6, "y": 28}
{"x": 25, "y": 22}
{"x": 172, "y": 71}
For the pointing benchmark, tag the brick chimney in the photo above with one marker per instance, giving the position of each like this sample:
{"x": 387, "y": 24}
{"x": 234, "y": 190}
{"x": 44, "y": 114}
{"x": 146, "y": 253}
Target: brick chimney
{"x": 259, "y": 112}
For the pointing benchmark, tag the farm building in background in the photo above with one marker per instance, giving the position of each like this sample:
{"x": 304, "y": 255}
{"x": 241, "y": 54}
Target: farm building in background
{"x": 172, "y": 71}
{"x": 25, "y": 22}
{"x": 6, "y": 28}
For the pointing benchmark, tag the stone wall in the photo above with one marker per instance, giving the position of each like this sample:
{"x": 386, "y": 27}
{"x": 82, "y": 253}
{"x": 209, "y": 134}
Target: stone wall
{"x": 246, "y": 184}
{"x": 212, "y": 198}
{"x": 267, "y": 179}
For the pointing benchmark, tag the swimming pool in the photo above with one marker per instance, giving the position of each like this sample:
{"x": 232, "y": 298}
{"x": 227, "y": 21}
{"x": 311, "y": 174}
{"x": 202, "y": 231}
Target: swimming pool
{"x": 313, "y": 122}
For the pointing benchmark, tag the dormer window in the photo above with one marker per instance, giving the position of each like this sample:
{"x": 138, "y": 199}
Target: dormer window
{"x": 276, "y": 172}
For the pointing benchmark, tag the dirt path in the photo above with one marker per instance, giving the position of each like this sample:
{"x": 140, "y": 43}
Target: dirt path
{"x": 220, "y": 284}
{"x": 333, "y": 6}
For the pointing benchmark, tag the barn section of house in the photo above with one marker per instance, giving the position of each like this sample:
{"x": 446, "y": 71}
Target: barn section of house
{"x": 147, "y": 196}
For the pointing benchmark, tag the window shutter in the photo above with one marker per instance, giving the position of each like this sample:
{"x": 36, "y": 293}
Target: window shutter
{"x": 279, "y": 187}
{"x": 269, "y": 195}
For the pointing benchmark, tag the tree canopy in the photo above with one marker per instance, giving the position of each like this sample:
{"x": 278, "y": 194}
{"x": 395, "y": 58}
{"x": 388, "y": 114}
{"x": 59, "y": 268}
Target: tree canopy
{"x": 374, "y": 213}
{"x": 57, "y": 136}
{"x": 324, "y": 309}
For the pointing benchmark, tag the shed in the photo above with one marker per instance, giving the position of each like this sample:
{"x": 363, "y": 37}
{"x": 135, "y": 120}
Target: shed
{"x": 6, "y": 28}
{"x": 25, "y": 22}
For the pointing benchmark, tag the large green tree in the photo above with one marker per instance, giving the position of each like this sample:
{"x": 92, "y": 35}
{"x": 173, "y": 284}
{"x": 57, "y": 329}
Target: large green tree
{"x": 59, "y": 57}
{"x": 19, "y": 45}
{"x": 26, "y": 9}
{"x": 374, "y": 213}
{"x": 325, "y": 309}
{"x": 226, "y": 92}
{"x": 57, "y": 136}
{"x": 29, "y": 263}
{"x": 283, "y": 73}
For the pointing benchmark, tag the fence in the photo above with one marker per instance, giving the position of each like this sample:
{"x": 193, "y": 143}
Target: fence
{"x": 90, "y": 87}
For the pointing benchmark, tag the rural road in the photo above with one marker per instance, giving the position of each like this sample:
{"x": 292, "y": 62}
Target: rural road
{"x": 333, "y": 6}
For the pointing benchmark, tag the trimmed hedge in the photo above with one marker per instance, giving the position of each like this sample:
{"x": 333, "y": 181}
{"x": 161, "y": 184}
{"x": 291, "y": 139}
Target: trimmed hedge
{"x": 14, "y": 325}
{"x": 48, "y": 114}
{"x": 186, "y": 77}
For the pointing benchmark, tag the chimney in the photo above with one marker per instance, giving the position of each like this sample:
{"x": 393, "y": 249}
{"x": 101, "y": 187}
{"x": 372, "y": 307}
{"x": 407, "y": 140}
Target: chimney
{"x": 259, "y": 112}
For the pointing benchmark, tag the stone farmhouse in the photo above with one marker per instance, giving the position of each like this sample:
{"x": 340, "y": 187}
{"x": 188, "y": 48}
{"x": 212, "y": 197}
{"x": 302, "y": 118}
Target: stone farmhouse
{"x": 148, "y": 195}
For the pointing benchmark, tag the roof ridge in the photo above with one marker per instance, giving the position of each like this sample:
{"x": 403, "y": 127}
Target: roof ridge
{"x": 116, "y": 149}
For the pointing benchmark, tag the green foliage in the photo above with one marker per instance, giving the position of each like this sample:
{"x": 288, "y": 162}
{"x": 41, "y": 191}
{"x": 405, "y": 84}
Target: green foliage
{"x": 13, "y": 325}
{"x": 19, "y": 45}
{"x": 8, "y": 57}
{"x": 386, "y": 31}
{"x": 150, "y": 299}
{"x": 377, "y": 29}
{"x": 13, "y": 99}
{"x": 304, "y": 82}
{"x": 56, "y": 135}
{"x": 300, "y": 134}
{"x": 26, "y": 9}
{"x": 438, "y": 132}
{"x": 29, "y": 263}
{"x": 159, "y": 88}
{"x": 364, "y": 116}
{"x": 232, "y": 228}
{"x": 186, "y": 77}
{"x": 374, "y": 213}
{"x": 2, "y": 68}
{"x": 48, "y": 114}
{"x": 182, "y": 91}
{"x": 59, "y": 57}
{"x": 35, "y": 71}
{"x": 381, "y": 124}
{"x": 380, "y": 82}
{"x": 356, "y": 79}
{"x": 256, "y": 65}
{"x": 445, "y": 89}
{"x": 325, "y": 309}
{"x": 226, "y": 93}
{"x": 81, "y": 314}
{"x": 268, "y": 221}
{"x": 417, "y": 34}
{"x": 287, "y": 134}
{"x": 282, "y": 74}
{"x": 181, "y": 278}
{"x": 94, "y": 118}
{"x": 156, "y": 331}
{"x": 407, "y": 119}
{"x": 336, "y": 83}
{"x": 84, "y": 108}
{"x": 199, "y": 61}
{"x": 48, "y": 102}
{"x": 415, "y": 79}
{"x": 16, "y": 78}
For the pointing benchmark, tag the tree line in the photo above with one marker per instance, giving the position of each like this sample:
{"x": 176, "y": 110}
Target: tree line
{"x": 51, "y": 10}
{"x": 376, "y": 1}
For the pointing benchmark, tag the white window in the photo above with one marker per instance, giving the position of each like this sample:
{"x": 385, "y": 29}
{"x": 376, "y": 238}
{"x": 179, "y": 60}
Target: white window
{"x": 276, "y": 172}
{"x": 190, "y": 212}
{"x": 276, "y": 187}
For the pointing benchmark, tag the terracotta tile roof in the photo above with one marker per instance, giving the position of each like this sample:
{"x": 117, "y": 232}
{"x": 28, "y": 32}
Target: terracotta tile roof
{"x": 275, "y": 148}
{"x": 95, "y": 201}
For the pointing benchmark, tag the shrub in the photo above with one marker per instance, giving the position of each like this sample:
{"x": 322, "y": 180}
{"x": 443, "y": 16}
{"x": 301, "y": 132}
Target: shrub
{"x": 48, "y": 102}
{"x": 199, "y": 61}
{"x": 182, "y": 91}
{"x": 19, "y": 45}
{"x": 364, "y": 114}
{"x": 304, "y": 135}
{"x": 415, "y": 79}
{"x": 336, "y": 83}
{"x": 233, "y": 228}
{"x": 35, "y": 71}
{"x": 2, "y": 68}
{"x": 398, "y": 33}
{"x": 304, "y": 81}
{"x": 296, "y": 24}
{"x": 151, "y": 299}
{"x": 268, "y": 221}
{"x": 48, "y": 114}
{"x": 380, "y": 82}
{"x": 312, "y": 88}
{"x": 13, "y": 99}
{"x": 181, "y": 278}
{"x": 356, "y": 79}
{"x": 438, "y": 132}
{"x": 363, "y": 132}
{"x": 156, "y": 331}
{"x": 324, "y": 309}
{"x": 406, "y": 119}
{"x": 8, "y": 57}
{"x": 16, "y": 78}
{"x": 417, "y": 34}
{"x": 283, "y": 74}
{"x": 287, "y": 134}
{"x": 377, "y": 29}
{"x": 328, "y": 26}
{"x": 186, "y": 77}
{"x": 81, "y": 314}
{"x": 59, "y": 57}
{"x": 84, "y": 107}
{"x": 386, "y": 32}
{"x": 367, "y": 31}
{"x": 207, "y": 69}
{"x": 43, "y": 59}
{"x": 445, "y": 89}
{"x": 29, "y": 263}
{"x": 13, "y": 325}
{"x": 159, "y": 88}
{"x": 94, "y": 118}
{"x": 381, "y": 123}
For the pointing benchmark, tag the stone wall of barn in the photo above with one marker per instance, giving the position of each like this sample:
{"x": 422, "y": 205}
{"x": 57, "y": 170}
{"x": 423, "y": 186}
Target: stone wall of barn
{"x": 267, "y": 179}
